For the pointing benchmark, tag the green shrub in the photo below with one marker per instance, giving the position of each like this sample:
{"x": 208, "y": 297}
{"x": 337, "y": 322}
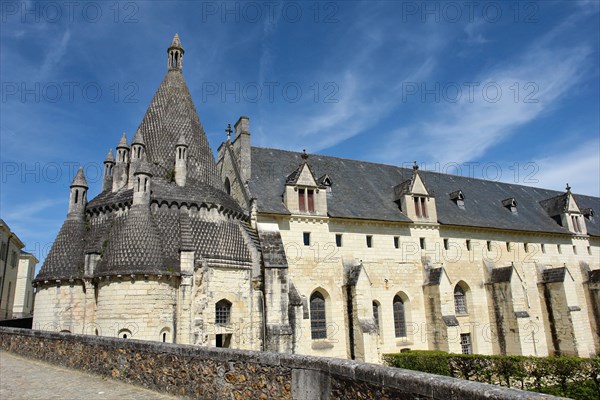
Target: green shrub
{"x": 578, "y": 378}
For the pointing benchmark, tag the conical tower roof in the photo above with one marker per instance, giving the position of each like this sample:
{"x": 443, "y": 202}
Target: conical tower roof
{"x": 79, "y": 179}
{"x": 171, "y": 116}
{"x": 110, "y": 157}
{"x": 176, "y": 43}
{"x": 138, "y": 138}
{"x": 123, "y": 142}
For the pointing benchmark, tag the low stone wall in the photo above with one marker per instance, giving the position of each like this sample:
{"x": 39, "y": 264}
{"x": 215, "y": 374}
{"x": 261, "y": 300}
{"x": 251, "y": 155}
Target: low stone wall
{"x": 215, "y": 373}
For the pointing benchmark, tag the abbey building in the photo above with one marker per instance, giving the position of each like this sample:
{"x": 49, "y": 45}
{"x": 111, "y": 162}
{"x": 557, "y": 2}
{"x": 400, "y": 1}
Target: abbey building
{"x": 267, "y": 249}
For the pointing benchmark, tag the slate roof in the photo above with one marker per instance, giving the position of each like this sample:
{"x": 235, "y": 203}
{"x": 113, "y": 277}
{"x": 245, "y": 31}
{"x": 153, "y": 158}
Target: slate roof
{"x": 66, "y": 257}
{"x": 171, "y": 115}
{"x": 365, "y": 190}
{"x": 79, "y": 179}
{"x": 110, "y": 157}
{"x": 555, "y": 205}
{"x": 147, "y": 239}
{"x": 134, "y": 246}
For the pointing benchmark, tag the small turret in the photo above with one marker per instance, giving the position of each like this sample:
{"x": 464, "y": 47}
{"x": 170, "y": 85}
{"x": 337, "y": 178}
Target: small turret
{"x": 109, "y": 164}
{"x": 141, "y": 187}
{"x": 78, "y": 198}
{"x": 120, "y": 175}
{"x": 181, "y": 149}
{"x": 175, "y": 52}
{"x": 138, "y": 150}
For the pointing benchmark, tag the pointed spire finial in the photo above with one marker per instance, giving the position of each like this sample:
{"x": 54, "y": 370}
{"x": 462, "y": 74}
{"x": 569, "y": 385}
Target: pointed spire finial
{"x": 229, "y": 131}
{"x": 138, "y": 138}
{"x": 123, "y": 142}
{"x": 176, "y": 43}
{"x": 568, "y": 188}
{"x": 110, "y": 157}
{"x": 175, "y": 53}
{"x": 415, "y": 166}
{"x": 79, "y": 179}
{"x": 304, "y": 155}
{"x": 181, "y": 141}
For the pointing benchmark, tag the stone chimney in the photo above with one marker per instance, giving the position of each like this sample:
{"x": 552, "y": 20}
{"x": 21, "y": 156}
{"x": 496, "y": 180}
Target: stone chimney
{"x": 241, "y": 148}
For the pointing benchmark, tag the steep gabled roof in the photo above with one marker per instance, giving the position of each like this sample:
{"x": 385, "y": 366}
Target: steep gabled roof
{"x": 365, "y": 190}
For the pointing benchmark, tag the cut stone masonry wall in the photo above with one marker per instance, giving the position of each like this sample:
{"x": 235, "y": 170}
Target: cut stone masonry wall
{"x": 218, "y": 373}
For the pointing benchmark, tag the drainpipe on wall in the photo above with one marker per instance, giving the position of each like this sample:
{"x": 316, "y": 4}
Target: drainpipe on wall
{"x": 4, "y": 273}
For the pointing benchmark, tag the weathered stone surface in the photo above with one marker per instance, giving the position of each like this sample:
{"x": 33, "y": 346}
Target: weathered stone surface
{"x": 214, "y": 373}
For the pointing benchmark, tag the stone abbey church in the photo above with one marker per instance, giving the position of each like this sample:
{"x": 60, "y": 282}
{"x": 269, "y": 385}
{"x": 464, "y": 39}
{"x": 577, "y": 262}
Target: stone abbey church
{"x": 273, "y": 250}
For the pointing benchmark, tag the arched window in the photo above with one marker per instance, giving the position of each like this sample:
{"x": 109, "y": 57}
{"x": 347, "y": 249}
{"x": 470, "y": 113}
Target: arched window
{"x": 460, "y": 300}
{"x": 399, "y": 317}
{"x": 222, "y": 312}
{"x": 124, "y": 333}
{"x": 227, "y": 186}
{"x": 318, "y": 321}
{"x": 376, "y": 314}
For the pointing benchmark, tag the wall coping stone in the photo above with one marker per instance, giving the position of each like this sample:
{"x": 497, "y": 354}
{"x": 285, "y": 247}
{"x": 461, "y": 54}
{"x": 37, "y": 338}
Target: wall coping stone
{"x": 421, "y": 383}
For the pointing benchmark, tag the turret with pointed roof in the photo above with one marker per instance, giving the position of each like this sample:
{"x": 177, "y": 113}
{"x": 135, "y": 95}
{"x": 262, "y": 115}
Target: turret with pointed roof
{"x": 170, "y": 152}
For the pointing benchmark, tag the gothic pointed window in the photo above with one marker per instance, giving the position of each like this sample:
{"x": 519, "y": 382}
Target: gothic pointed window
{"x": 460, "y": 301}
{"x": 318, "y": 321}
{"x": 399, "y": 317}
{"x": 376, "y": 314}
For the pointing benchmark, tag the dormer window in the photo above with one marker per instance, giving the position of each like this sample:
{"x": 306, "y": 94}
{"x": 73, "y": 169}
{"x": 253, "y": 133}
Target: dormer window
{"x": 588, "y": 213}
{"x": 510, "y": 204}
{"x": 325, "y": 181}
{"x": 459, "y": 198}
{"x": 420, "y": 207}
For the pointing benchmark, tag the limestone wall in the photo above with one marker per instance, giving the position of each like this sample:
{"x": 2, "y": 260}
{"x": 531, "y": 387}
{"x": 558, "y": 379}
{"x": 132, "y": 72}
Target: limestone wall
{"x": 400, "y": 271}
{"x": 60, "y": 308}
{"x": 213, "y": 373}
{"x": 141, "y": 309}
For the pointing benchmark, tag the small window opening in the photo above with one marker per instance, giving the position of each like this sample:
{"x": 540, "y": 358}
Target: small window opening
{"x": 311, "y": 200}
{"x": 465, "y": 343}
{"x": 396, "y": 242}
{"x": 76, "y": 196}
{"x": 306, "y": 237}
{"x": 543, "y": 246}
{"x": 422, "y": 243}
{"x": 164, "y": 337}
{"x": 369, "y": 241}
{"x": 468, "y": 242}
{"x": 338, "y": 240}
{"x": 574, "y": 249}
{"x": 526, "y": 247}
{"x": 446, "y": 244}
{"x": 559, "y": 248}
{"x": 589, "y": 249}
{"x": 417, "y": 208}
{"x": 301, "y": 203}
{"x": 508, "y": 246}
{"x": 489, "y": 245}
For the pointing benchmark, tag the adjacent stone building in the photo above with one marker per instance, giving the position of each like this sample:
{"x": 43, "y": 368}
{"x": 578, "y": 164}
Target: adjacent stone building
{"x": 17, "y": 270}
{"x": 274, "y": 250}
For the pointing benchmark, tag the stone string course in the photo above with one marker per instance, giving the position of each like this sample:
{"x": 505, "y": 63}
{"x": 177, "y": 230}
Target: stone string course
{"x": 215, "y": 373}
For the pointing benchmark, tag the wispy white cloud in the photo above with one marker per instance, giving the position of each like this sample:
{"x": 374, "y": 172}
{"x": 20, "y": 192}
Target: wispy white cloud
{"x": 507, "y": 97}
{"x": 579, "y": 167}
{"x": 473, "y": 30}
{"x": 55, "y": 55}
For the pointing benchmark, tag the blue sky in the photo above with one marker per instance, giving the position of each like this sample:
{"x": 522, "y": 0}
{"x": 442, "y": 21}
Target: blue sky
{"x": 500, "y": 90}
